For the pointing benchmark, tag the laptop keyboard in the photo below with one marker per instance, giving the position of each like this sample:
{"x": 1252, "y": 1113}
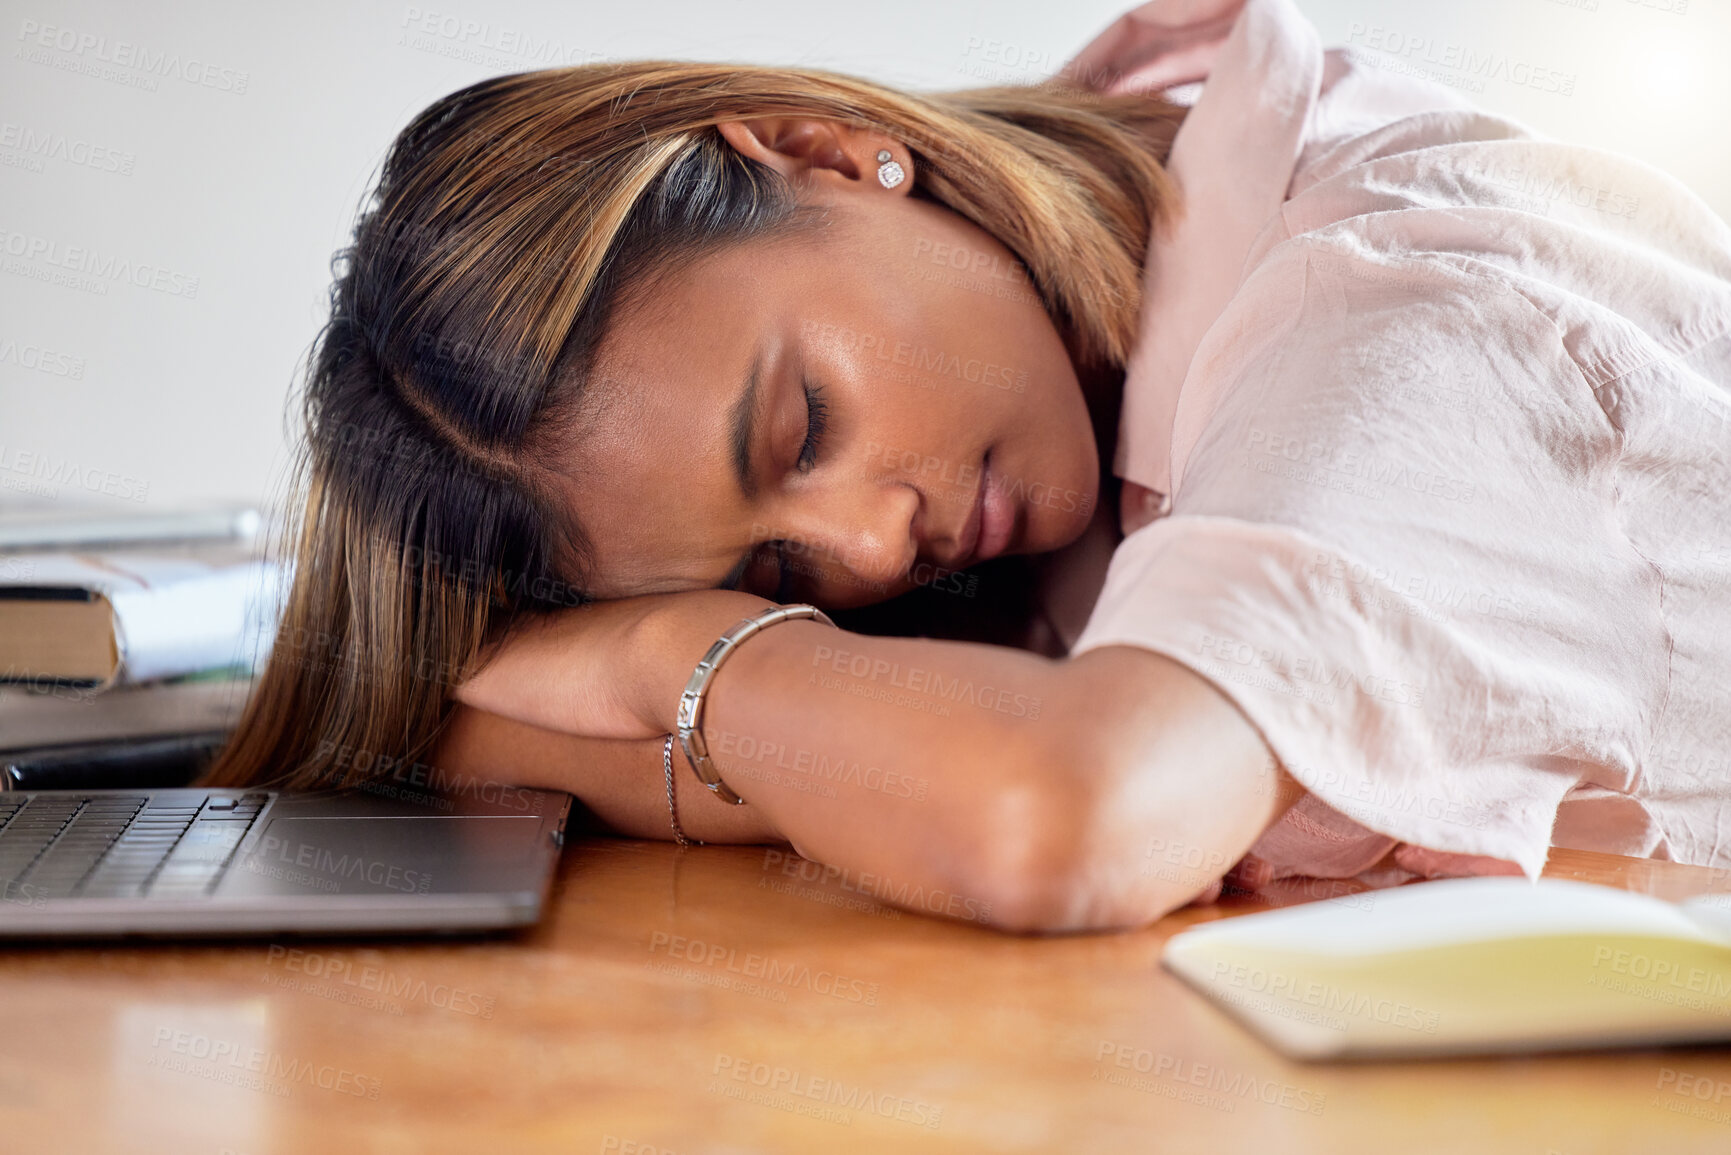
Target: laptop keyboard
{"x": 69, "y": 845}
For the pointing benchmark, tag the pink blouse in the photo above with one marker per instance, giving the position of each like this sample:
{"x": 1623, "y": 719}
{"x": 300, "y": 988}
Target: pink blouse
{"x": 1426, "y": 445}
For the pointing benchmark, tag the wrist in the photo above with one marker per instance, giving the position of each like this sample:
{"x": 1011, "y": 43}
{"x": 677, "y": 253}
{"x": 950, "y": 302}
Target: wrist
{"x": 672, "y": 638}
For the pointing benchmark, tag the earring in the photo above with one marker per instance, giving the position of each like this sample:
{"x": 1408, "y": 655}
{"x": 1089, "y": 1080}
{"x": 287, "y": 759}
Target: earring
{"x": 890, "y": 173}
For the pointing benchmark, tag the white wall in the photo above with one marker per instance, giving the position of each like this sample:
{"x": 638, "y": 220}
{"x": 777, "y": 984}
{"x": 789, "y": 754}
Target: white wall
{"x": 224, "y": 179}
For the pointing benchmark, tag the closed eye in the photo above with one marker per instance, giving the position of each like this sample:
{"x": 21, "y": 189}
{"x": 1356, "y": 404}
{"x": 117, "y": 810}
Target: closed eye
{"x": 816, "y": 421}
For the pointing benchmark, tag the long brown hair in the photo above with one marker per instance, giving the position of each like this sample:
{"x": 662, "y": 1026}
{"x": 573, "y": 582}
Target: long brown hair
{"x": 509, "y": 221}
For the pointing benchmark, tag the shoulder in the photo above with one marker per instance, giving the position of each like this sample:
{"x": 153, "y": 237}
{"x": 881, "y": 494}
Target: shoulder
{"x": 1336, "y": 351}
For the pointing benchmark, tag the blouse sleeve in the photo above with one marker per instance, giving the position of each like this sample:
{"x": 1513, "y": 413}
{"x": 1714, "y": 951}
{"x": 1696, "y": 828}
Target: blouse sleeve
{"x": 1394, "y": 545}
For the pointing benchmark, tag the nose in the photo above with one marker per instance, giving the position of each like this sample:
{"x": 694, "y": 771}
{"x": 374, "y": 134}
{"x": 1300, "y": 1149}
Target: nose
{"x": 869, "y": 527}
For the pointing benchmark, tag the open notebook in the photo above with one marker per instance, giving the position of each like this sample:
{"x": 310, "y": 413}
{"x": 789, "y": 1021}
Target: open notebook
{"x": 1472, "y": 965}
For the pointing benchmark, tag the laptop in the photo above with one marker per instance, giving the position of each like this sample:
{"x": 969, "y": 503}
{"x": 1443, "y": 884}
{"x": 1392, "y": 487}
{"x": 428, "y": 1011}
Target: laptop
{"x": 190, "y": 861}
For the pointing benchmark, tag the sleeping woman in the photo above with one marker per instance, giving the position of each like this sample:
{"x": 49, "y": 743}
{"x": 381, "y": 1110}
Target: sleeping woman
{"x": 1225, "y": 460}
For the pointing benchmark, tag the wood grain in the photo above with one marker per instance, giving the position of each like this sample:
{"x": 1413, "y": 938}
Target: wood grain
{"x": 734, "y": 999}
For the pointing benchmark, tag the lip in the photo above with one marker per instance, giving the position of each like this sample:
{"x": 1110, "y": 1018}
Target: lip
{"x": 990, "y": 525}
{"x": 997, "y": 517}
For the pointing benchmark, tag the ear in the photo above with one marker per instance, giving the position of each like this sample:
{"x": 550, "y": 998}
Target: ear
{"x": 827, "y": 151}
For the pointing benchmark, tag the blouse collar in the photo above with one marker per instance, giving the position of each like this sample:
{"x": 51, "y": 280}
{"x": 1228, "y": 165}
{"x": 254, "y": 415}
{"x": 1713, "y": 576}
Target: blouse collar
{"x": 1233, "y": 160}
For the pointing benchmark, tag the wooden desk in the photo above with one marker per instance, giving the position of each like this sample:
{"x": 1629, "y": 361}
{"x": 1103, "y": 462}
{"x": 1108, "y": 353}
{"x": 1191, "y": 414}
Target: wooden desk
{"x": 619, "y": 1026}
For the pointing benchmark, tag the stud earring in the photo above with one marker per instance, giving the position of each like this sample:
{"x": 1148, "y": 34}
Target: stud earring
{"x": 890, "y": 173}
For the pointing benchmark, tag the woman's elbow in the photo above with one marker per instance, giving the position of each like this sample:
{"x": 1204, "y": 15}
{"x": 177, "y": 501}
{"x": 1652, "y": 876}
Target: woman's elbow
{"x": 1055, "y": 854}
{"x": 1074, "y": 900}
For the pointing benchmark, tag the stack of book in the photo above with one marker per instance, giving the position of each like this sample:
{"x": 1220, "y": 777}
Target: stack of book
{"x": 128, "y": 645}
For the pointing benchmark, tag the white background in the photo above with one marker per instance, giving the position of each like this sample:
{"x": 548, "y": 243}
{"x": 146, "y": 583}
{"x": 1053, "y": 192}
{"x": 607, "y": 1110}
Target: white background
{"x": 180, "y": 395}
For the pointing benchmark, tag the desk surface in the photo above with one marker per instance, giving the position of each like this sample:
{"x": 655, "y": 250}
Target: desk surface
{"x": 617, "y": 1025}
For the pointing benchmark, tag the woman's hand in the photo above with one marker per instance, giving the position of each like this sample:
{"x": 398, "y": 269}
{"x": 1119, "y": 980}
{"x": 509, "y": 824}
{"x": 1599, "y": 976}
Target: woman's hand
{"x": 607, "y": 669}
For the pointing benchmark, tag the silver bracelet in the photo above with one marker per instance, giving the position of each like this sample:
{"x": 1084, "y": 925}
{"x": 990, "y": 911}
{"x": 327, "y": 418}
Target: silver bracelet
{"x": 672, "y": 806}
{"x": 691, "y": 701}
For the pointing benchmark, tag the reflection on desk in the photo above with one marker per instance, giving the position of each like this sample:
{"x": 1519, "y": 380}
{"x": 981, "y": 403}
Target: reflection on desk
{"x": 740, "y": 999}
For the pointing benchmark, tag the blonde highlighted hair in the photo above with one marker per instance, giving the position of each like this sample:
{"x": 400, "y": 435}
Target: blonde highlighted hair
{"x": 511, "y": 219}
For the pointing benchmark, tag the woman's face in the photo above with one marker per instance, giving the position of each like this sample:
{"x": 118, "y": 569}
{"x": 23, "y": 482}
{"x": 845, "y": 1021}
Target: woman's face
{"x": 835, "y": 417}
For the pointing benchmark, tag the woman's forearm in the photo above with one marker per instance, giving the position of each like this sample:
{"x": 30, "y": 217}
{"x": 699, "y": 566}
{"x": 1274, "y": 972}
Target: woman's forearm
{"x": 620, "y": 781}
{"x": 925, "y": 768}
{"x": 1029, "y": 787}
{"x": 954, "y": 775}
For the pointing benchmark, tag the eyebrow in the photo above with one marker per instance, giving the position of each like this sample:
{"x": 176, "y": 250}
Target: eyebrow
{"x": 744, "y": 428}
{"x": 742, "y": 433}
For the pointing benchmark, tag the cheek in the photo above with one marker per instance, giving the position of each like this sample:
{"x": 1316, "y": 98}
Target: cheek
{"x": 1059, "y": 512}
{"x": 1062, "y": 484}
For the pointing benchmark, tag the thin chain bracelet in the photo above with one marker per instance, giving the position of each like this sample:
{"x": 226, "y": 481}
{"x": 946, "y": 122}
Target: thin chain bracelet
{"x": 672, "y": 807}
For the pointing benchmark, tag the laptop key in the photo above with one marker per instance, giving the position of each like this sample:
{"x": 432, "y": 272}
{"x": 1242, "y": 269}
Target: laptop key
{"x": 198, "y": 859}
